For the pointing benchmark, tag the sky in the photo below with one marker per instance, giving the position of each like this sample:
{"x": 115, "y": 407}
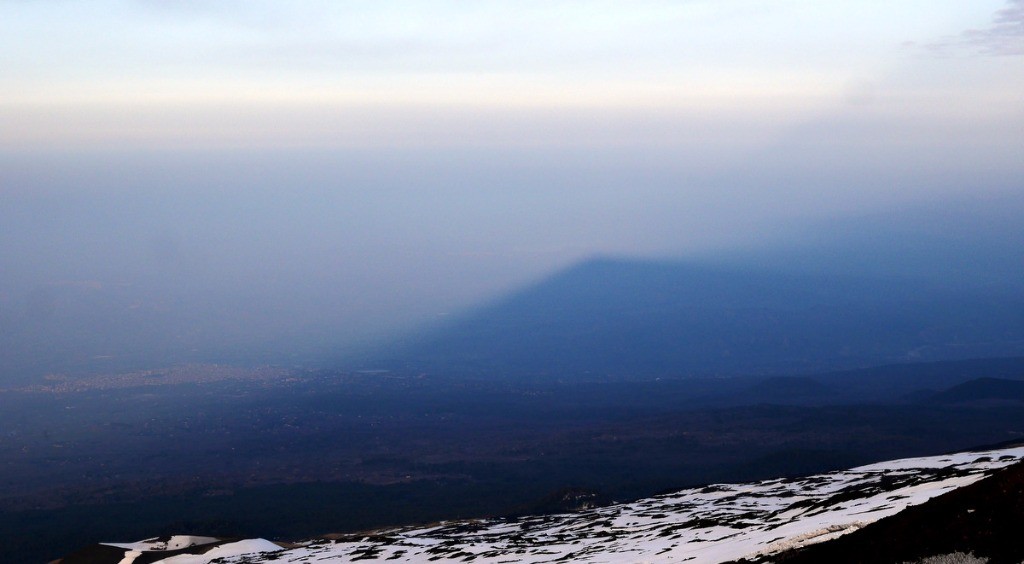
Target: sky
{"x": 357, "y": 167}
{"x": 498, "y": 74}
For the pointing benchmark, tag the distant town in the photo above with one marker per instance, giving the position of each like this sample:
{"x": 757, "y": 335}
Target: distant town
{"x": 183, "y": 374}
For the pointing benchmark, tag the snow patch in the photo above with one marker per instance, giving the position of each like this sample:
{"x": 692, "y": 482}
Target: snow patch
{"x": 177, "y": 542}
{"x": 244, "y": 548}
{"x": 130, "y": 556}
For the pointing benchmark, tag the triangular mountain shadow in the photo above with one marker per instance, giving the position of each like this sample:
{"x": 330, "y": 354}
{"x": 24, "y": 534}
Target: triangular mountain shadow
{"x": 619, "y": 318}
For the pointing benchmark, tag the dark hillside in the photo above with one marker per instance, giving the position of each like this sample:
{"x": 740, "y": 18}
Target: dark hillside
{"x": 981, "y": 390}
{"x": 918, "y": 381}
{"x": 984, "y": 518}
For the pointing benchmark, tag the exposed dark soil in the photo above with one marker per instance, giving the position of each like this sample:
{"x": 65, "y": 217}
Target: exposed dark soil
{"x": 985, "y": 518}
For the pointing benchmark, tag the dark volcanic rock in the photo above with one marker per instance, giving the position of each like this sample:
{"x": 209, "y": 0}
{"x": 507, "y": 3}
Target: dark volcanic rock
{"x": 985, "y": 518}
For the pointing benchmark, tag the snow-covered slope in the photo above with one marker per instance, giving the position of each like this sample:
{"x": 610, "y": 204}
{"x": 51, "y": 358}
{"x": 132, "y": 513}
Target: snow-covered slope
{"x": 712, "y": 524}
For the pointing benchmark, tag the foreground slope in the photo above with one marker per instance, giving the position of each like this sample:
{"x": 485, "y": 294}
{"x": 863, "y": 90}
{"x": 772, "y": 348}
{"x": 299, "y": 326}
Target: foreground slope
{"x": 712, "y": 524}
{"x": 983, "y": 519}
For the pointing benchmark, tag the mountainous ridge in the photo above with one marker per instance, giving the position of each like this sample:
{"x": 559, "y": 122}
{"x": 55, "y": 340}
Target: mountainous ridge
{"x": 982, "y": 389}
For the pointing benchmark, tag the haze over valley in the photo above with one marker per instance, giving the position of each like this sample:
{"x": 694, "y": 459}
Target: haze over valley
{"x": 286, "y": 270}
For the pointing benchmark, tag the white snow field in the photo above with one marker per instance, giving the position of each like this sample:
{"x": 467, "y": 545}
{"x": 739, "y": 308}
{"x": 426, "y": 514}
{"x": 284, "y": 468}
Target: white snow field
{"x": 716, "y": 523}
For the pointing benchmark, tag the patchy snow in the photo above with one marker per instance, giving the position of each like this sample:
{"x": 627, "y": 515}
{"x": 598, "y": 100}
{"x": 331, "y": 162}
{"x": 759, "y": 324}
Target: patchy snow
{"x": 243, "y": 548}
{"x": 201, "y": 555}
{"x": 173, "y": 544}
{"x": 176, "y": 542}
{"x": 705, "y": 525}
{"x": 130, "y": 556}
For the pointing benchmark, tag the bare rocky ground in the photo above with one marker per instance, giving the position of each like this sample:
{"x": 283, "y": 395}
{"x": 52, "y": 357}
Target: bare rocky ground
{"x": 984, "y": 519}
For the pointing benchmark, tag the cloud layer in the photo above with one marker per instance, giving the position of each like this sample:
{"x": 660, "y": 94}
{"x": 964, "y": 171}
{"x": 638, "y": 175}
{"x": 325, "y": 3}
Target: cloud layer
{"x": 1004, "y": 37}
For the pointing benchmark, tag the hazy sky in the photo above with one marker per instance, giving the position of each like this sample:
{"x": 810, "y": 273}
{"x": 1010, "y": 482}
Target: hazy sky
{"x": 379, "y": 162}
{"x": 495, "y": 73}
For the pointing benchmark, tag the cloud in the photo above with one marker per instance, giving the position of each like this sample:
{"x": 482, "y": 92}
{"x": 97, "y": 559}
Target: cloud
{"x": 1004, "y": 37}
